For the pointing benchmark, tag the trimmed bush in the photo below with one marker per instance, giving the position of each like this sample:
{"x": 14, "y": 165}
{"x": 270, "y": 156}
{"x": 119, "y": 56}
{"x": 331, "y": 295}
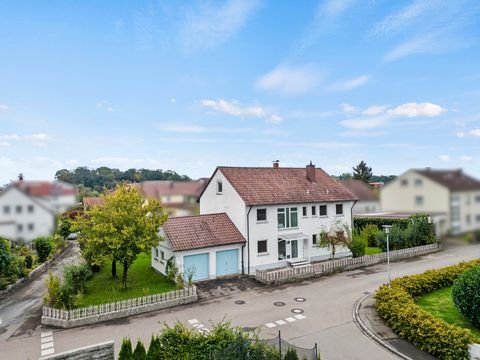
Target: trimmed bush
{"x": 43, "y": 246}
{"x": 466, "y": 295}
{"x": 361, "y": 223}
{"x": 358, "y": 244}
{"x": 396, "y": 305}
{"x": 126, "y": 352}
{"x": 28, "y": 261}
{"x": 139, "y": 353}
{"x": 291, "y": 354}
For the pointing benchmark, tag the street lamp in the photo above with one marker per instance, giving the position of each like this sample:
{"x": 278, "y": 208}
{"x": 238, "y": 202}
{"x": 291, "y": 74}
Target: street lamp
{"x": 387, "y": 228}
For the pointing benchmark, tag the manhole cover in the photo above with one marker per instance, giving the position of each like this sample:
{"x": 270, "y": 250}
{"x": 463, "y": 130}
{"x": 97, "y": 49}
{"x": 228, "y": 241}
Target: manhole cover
{"x": 279, "y": 303}
{"x": 300, "y": 299}
{"x": 366, "y": 292}
{"x": 239, "y": 302}
{"x": 297, "y": 311}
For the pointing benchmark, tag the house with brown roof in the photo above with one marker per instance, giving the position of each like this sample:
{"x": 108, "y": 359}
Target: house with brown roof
{"x": 257, "y": 218}
{"x": 451, "y": 197}
{"x": 368, "y": 201}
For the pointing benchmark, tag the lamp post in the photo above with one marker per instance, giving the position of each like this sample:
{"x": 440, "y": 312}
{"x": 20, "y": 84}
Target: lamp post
{"x": 387, "y": 228}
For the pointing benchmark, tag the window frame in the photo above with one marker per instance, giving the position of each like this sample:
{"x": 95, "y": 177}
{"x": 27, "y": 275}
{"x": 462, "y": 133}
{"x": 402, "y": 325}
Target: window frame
{"x": 219, "y": 187}
{"x": 320, "y": 210}
{"x": 258, "y": 247}
{"x": 18, "y": 209}
{"x": 314, "y": 210}
{"x": 314, "y": 239}
{"x": 336, "y": 209}
{"x": 6, "y": 209}
{"x": 30, "y": 209}
{"x": 288, "y": 214}
{"x": 421, "y": 202}
{"x": 403, "y": 182}
{"x": 304, "y": 211}
{"x": 262, "y": 220}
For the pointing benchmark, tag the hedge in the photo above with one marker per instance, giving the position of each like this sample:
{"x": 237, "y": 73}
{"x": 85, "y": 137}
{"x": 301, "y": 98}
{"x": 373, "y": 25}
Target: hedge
{"x": 360, "y": 223}
{"x": 396, "y": 305}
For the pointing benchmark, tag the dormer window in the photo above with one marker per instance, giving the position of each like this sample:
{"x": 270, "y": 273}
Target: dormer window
{"x": 219, "y": 187}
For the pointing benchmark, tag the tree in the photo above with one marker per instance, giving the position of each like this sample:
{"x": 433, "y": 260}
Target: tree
{"x": 333, "y": 238}
{"x": 121, "y": 229}
{"x": 362, "y": 172}
{"x": 126, "y": 352}
{"x": 43, "y": 246}
{"x": 139, "y": 353}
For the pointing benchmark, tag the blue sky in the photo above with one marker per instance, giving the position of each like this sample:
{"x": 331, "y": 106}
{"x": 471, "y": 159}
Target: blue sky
{"x": 191, "y": 85}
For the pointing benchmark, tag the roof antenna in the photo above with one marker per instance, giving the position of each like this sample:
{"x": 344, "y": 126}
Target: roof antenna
{"x": 20, "y": 177}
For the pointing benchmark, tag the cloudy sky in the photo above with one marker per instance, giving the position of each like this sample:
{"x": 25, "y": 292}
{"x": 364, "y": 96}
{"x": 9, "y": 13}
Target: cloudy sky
{"x": 191, "y": 85}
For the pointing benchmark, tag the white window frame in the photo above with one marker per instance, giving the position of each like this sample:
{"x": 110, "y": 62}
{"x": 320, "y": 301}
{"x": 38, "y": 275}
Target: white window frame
{"x": 287, "y": 213}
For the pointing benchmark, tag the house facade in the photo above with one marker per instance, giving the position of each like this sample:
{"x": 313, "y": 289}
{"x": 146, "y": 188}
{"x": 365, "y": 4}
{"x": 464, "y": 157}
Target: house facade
{"x": 279, "y": 212}
{"x": 368, "y": 201}
{"x": 28, "y": 209}
{"x": 451, "y": 197}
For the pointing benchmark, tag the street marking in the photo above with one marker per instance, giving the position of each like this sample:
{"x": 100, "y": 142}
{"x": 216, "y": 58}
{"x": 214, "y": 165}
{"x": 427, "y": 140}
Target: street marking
{"x": 285, "y": 321}
{"x": 199, "y": 326}
{"x": 300, "y": 316}
{"x": 46, "y": 339}
{"x": 290, "y": 319}
{"x": 192, "y": 321}
{"x": 281, "y": 322}
{"x": 270, "y": 325}
{"x": 45, "y": 334}
{"x": 46, "y": 343}
{"x": 48, "y": 352}
{"x": 46, "y": 346}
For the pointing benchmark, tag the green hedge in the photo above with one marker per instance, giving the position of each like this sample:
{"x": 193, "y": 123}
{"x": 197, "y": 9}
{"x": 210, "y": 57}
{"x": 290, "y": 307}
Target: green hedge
{"x": 396, "y": 305}
{"x": 360, "y": 223}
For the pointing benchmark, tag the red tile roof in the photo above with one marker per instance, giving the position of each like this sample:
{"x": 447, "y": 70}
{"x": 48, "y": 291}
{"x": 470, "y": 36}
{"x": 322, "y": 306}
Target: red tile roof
{"x": 455, "y": 180}
{"x": 45, "y": 188}
{"x": 362, "y": 190}
{"x": 201, "y": 231}
{"x": 155, "y": 189}
{"x": 268, "y": 186}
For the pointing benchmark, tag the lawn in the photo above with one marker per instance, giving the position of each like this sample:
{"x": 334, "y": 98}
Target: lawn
{"x": 440, "y": 304}
{"x": 372, "y": 250}
{"x": 142, "y": 280}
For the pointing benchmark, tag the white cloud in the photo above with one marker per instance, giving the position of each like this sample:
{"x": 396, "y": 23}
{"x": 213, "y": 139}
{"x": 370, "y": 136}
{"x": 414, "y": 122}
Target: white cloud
{"x": 197, "y": 129}
{"x": 350, "y": 84}
{"x": 3, "y": 107}
{"x": 39, "y": 139}
{"x": 475, "y": 132}
{"x": 290, "y": 80}
{"x": 460, "y": 134}
{"x": 444, "y": 157}
{"x": 348, "y": 108}
{"x": 377, "y": 116}
{"x": 207, "y": 26}
{"x": 104, "y": 104}
{"x": 173, "y": 100}
{"x": 334, "y": 8}
{"x": 234, "y": 108}
{"x": 414, "y": 109}
{"x": 416, "y": 45}
{"x": 374, "y": 110}
{"x": 466, "y": 158}
{"x": 4, "y": 144}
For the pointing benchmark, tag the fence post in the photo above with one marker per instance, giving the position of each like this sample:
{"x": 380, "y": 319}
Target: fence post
{"x": 280, "y": 344}
{"x": 316, "y": 351}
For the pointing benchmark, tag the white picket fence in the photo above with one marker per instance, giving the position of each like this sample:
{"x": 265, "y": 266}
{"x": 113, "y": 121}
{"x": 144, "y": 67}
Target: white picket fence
{"x": 103, "y": 309}
{"x": 291, "y": 274}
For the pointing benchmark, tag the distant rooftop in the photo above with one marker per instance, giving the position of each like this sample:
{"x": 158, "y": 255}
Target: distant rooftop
{"x": 455, "y": 180}
{"x": 360, "y": 189}
{"x": 45, "y": 188}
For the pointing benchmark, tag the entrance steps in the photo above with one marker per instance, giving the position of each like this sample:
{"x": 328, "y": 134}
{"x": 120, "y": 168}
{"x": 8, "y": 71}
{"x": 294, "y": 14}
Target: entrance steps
{"x": 298, "y": 263}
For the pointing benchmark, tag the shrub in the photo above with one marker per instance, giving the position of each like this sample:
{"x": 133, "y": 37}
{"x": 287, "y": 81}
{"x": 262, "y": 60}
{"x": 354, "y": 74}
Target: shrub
{"x": 396, "y": 305}
{"x": 361, "y": 223}
{"x": 291, "y": 354}
{"x": 53, "y": 290}
{"x": 126, "y": 350}
{"x": 76, "y": 276}
{"x": 43, "y": 246}
{"x": 370, "y": 232}
{"x": 139, "y": 353}
{"x": 154, "y": 349}
{"x": 28, "y": 261}
{"x": 358, "y": 244}
{"x": 466, "y": 295}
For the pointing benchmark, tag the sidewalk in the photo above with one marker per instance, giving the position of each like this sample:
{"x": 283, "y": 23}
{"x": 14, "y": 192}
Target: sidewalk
{"x": 367, "y": 319}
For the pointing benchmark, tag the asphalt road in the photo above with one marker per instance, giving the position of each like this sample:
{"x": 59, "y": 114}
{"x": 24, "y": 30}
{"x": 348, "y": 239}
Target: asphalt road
{"x": 20, "y": 312}
{"x": 326, "y": 318}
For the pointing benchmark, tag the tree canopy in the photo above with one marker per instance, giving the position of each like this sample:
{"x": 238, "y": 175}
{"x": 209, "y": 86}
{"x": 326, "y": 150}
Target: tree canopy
{"x": 362, "y": 172}
{"x": 105, "y": 177}
{"x": 123, "y": 227}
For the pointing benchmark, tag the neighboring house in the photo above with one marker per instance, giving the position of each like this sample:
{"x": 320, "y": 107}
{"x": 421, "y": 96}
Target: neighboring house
{"x": 178, "y": 198}
{"x": 451, "y": 197}
{"x": 279, "y": 213}
{"x": 28, "y": 209}
{"x": 367, "y": 202}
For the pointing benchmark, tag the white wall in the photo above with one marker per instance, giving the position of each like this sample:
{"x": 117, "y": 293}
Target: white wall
{"x": 58, "y": 204}
{"x": 43, "y": 221}
{"x": 469, "y": 205}
{"x": 365, "y": 207}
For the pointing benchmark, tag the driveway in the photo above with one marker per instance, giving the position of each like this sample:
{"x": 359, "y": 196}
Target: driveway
{"x": 325, "y": 317}
{"x": 20, "y": 312}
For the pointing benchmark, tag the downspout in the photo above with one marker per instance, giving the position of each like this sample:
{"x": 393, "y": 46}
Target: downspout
{"x": 248, "y": 240}
{"x": 351, "y": 214}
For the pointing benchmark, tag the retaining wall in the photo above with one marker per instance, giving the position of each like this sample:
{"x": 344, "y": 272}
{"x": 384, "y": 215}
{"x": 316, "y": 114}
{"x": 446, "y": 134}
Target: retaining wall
{"x": 102, "y": 351}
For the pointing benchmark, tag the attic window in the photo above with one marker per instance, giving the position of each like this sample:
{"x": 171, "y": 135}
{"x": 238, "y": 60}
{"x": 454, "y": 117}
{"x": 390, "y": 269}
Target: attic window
{"x": 219, "y": 187}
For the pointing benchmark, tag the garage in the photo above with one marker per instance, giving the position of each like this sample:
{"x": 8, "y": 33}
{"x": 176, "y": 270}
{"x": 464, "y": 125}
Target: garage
{"x": 227, "y": 262}
{"x": 197, "y": 263}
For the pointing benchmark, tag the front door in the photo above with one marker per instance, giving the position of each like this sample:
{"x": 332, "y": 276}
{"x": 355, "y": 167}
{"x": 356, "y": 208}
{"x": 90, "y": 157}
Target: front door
{"x": 287, "y": 249}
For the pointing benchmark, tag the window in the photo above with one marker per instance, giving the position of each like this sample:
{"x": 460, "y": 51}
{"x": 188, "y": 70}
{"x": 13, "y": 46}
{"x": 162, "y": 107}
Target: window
{"x": 468, "y": 199}
{"x": 418, "y": 182}
{"x": 314, "y": 239}
{"x": 477, "y": 218}
{"x": 261, "y": 214}
{"x": 219, "y": 187}
{"x": 419, "y": 200}
{"x": 323, "y": 210}
{"x": 20, "y": 227}
{"x": 6, "y": 209}
{"x": 314, "y": 210}
{"x": 287, "y": 217}
{"x": 30, "y": 209}
{"x": 261, "y": 246}
{"x": 468, "y": 219}
{"x": 404, "y": 182}
{"x": 156, "y": 253}
{"x": 18, "y": 209}
{"x": 30, "y": 227}
{"x": 339, "y": 209}
{"x": 477, "y": 199}
{"x": 162, "y": 255}
{"x": 304, "y": 211}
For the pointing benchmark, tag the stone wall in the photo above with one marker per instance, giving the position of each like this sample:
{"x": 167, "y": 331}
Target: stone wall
{"x": 102, "y": 351}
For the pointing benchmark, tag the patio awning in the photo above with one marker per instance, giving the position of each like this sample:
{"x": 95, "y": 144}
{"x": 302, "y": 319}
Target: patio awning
{"x": 294, "y": 236}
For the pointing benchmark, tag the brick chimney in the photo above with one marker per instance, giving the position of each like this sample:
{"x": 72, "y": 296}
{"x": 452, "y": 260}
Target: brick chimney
{"x": 276, "y": 164}
{"x": 311, "y": 172}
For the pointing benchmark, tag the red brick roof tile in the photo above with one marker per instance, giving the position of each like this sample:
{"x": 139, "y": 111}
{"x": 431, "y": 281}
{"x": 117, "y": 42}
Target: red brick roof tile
{"x": 201, "y": 231}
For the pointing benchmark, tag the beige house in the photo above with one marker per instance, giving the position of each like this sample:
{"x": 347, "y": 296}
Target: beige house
{"x": 450, "y": 197}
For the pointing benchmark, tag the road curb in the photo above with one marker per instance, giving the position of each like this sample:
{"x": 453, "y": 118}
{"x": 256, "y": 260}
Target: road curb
{"x": 366, "y": 331}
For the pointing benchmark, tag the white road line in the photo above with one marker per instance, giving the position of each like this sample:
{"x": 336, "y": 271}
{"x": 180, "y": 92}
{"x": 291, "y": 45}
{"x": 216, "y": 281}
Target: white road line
{"x": 47, "y": 352}
{"x": 300, "y": 317}
{"x": 46, "y": 343}
{"x": 192, "y": 321}
{"x": 290, "y": 319}
{"x": 46, "y": 339}
{"x": 270, "y": 325}
{"x": 281, "y": 322}
{"x": 46, "y": 346}
{"x": 45, "y": 334}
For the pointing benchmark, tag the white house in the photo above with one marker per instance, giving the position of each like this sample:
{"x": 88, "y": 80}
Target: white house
{"x": 368, "y": 201}
{"x": 451, "y": 197}
{"x": 28, "y": 209}
{"x": 279, "y": 212}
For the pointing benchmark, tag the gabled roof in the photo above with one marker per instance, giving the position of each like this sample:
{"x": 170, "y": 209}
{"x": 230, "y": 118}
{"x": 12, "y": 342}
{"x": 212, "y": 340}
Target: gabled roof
{"x": 44, "y": 188}
{"x": 155, "y": 189}
{"x": 268, "y": 186}
{"x": 33, "y": 199}
{"x": 360, "y": 189}
{"x": 201, "y": 231}
{"x": 454, "y": 180}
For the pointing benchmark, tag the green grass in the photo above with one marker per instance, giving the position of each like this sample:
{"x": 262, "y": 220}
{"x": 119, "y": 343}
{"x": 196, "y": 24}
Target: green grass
{"x": 142, "y": 280}
{"x": 372, "y": 250}
{"x": 440, "y": 304}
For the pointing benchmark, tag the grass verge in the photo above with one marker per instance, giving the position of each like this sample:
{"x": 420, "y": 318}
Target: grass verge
{"x": 372, "y": 250}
